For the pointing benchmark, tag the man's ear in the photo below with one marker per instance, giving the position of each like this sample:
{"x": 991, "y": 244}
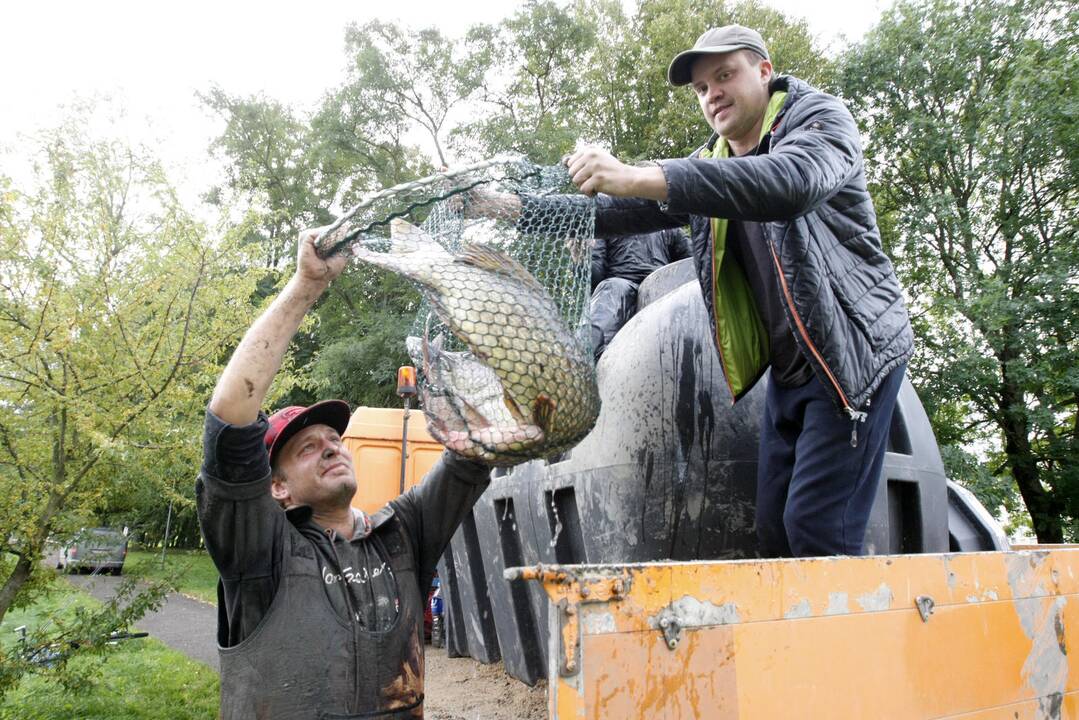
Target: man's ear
{"x": 766, "y": 71}
{"x": 279, "y": 489}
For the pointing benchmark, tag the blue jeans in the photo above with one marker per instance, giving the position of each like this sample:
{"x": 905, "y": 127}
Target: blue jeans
{"x": 814, "y": 490}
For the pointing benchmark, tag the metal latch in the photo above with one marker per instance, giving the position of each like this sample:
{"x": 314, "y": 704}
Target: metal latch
{"x": 672, "y": 631}
{"x": 690, "y": 613}
{"x": 925, "y": 606}
{"x": 568, "y": 590}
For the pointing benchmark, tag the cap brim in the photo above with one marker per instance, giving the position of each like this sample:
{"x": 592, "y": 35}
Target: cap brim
{"x": 334, "y": 413}
{"x": 679, "y": 72}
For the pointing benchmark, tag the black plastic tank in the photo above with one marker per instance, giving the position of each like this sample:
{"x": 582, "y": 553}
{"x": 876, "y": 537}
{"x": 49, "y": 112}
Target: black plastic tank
{"x": 668, "y": 473}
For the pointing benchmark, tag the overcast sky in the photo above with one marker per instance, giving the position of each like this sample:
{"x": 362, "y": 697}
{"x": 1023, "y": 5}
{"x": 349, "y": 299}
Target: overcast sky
{"x": 152, "y": 57}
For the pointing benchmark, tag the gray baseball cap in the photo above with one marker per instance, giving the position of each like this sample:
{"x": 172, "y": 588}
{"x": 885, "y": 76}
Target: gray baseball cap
{"x": 715, "y": 42}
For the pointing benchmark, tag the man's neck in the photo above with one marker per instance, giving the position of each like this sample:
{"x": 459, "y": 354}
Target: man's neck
{"x": 340, "y": 520}
{"x": 747, "y": 143}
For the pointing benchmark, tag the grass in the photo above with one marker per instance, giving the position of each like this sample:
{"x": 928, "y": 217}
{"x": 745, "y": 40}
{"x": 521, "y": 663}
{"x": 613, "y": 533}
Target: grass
{"x": 141, "y": 680}
{"x": 193, "y": 571}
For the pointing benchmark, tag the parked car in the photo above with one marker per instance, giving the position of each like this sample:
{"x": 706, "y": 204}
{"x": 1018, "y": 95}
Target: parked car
{"x": 94, "y": 549}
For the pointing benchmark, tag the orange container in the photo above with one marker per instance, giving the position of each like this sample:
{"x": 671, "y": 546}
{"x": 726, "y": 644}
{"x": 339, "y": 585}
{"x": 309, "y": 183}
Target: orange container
{"x": 373, "y": 437}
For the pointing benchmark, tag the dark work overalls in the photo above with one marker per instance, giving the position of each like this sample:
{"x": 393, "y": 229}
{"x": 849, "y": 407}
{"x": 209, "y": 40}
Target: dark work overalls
{"x": 306, "y": 661}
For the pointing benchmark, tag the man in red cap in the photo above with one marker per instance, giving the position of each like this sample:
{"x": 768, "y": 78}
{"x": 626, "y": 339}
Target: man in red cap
{"x": 320, "y": 607}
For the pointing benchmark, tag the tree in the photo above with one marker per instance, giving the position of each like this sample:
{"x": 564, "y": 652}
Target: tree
{"x": 268, "y": 163}
{"x": 533, "y": 96}
{"x": 418, "y": 75}
{"x": 585, "y": 71}
{"x": 114, "y": 308}
{"x": 973, "y": 147}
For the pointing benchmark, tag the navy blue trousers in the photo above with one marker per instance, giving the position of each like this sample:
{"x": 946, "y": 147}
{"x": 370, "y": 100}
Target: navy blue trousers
{"x": 814, "y": 490}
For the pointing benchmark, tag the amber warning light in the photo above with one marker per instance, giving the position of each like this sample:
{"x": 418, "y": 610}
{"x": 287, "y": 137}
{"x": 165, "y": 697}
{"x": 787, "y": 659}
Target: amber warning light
{"x": 406, "y": 381}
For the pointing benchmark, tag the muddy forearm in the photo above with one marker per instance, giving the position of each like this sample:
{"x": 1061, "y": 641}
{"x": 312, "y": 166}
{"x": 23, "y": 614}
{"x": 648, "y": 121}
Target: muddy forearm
{"x": 243, "y": 385}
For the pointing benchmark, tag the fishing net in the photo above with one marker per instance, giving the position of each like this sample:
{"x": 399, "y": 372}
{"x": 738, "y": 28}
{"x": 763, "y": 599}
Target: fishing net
{"x": 501, "y": 254}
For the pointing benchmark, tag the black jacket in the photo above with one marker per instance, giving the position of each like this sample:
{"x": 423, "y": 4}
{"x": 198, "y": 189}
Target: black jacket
{"x": 635, "y": 257}
{"x": 807, "y": 188}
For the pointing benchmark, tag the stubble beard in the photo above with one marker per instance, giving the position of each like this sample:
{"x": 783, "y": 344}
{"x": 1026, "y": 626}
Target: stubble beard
{"x": 342, "y": 493}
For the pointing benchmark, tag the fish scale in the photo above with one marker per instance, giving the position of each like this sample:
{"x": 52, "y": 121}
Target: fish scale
{"x": 511, "y": 327}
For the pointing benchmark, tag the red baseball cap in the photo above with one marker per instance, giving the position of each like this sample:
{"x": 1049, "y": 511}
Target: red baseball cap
{"x": 288, "y": 421}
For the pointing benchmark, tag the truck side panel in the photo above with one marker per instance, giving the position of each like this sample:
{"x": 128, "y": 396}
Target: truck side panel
{"x": 977, "y": 635}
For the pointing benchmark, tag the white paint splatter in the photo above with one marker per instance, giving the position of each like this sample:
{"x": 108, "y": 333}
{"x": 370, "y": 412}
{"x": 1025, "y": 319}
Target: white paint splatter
{"x": 801, "y": 610}
{"x": 1046, "y": 667}
{"x": 837, "y": 604}
{"x": 598, "y": 623}
{"x": 689, "y": 612}
{"x": 879, "y": 600}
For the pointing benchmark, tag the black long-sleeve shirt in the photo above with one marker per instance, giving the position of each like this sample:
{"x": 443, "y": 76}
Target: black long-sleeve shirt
{"x": 244, "y": 529}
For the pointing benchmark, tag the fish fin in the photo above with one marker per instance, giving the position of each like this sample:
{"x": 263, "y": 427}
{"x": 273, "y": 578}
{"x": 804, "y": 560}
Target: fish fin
{"x": 515, "y": 410}
{"x": 415, "y": 350}
{"x": 428, "y": 346}
{"x": 474, "y": 420}
{"x": 487, "y": 258}
{"x": 426, "y": 356}
{"x": 543, "y": 410}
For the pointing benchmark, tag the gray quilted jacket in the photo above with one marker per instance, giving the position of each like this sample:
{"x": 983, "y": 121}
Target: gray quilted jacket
{"x": 807, "y": 188}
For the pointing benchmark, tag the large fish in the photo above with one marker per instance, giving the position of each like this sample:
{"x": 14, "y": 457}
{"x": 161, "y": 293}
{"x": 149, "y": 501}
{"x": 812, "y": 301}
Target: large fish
{"x": 520, "y": 353}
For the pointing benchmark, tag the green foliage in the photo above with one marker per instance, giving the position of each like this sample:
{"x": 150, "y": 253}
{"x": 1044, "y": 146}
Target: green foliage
{"x": 535, "y": 99}
{"x": 268, "y": 164}
{"x": 114, "y": 307}
{"x": 971, "y": 117}
{"x": 134, "y": 680}
{"x": 410, "y": 75}
{"x": 363, "y": 369}
{"x": 65, "y": 627}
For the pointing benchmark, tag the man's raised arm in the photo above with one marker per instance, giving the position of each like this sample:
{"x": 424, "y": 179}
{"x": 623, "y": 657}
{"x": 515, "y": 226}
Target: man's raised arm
{"x": 243, "y": 385}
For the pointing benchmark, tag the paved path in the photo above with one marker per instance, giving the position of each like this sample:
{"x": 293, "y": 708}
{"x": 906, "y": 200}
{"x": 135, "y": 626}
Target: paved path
{"x": 181, "y": 623}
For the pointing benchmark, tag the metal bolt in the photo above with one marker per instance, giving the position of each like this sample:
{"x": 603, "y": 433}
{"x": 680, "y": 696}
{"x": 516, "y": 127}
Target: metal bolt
{"x": 672, "y": 643}
{"x": 586, "y": 591}
{"x": 571, "y": 610}
{"x": 665, "y": 623}
{"x": 618, "y": 587}
{"x": 571, "y": 667}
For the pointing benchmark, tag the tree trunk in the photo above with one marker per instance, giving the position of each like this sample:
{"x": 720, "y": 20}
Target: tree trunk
{"x": 14, "y": 582}
{"x": 1045, "y": 516}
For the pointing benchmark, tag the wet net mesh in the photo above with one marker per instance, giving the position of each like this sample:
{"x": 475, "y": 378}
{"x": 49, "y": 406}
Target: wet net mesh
{"x": 501, "y": 254}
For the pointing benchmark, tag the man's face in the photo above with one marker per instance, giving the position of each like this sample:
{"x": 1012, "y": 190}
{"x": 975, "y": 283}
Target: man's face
{"x": 732, "y": 90}
{"x": 314, "y": 468}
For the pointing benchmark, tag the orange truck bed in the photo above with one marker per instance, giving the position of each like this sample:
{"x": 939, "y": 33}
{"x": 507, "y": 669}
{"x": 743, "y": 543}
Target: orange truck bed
{"x": 973, "y": 635}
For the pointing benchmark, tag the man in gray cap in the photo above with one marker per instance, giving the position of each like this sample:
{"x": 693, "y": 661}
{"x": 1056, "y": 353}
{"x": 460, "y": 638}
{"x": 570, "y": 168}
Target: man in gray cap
{"x": 794, "y": 278}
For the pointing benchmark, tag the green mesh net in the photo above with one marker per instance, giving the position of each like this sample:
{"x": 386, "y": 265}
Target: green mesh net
{"x": 500, "y": 252}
